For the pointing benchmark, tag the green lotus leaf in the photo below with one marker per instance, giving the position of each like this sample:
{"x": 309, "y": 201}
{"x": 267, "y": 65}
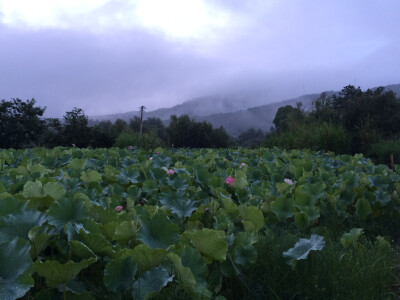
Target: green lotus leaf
{"x": 90, "y": 177}
{"x": 302, "y": 200}
{"x": 145, "y": 257}
{"x": 150, "y": 283}
{"x": 192, "y": 259}
{"x": 244, "y": 253}
{"x": 16, "y": 269}
{"x": 178, "y": 183}
{"x": 33, "y": 190}
{"x": 182, "y": 273}
{"x": 253, "y": 215}
{"x": 19, "y": 224}
{"x": 230, "y": 207}
{"x": 10, "y": 205}
{"x": 56, "y": 273}
{"x": 81, "y": 251}
{"x": 158, "y": 174}
{"x": 97, "y": 243}
{"x": 223, "y": 221}
{"x": 178, "y": 204}
{"x": 202, "y": 176}
{"x": 125, "y": 231}
{"x": 77, "y": 164}
{"x": 363, "y": 208}
{"x": 350, "y": 238}
{"x": 128, "y": 175}
{"x": 110, "y": 173}
{"x": 379, "y": 181}
{"x": 312, "y": 212}
{"x": 313, "y": 190}
{"x": 158, "y": 231}
{"x": 119, "y": 274}
{"x": 301, "y": 220}
{"x": 77, "y": 289}
{"x": 39, "y": 238}
{"x": 283, "y": 208}
{"x": 66, "y": 210}
{"x": 54, "y": 190}
{"x": 37, "y": 168}
{"x": 240, "y": 180}
{"x": 211, "y": 243}
{"x": 302, "y": 248}
{"x": 382, "y": 197}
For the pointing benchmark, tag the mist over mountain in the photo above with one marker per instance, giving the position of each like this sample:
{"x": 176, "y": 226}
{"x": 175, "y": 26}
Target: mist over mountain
{"x": 236, "y": 112}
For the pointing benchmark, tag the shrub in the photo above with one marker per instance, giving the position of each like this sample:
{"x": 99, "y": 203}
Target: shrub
{"x": 146, "y": 140}
{"x": 380, "y": 152}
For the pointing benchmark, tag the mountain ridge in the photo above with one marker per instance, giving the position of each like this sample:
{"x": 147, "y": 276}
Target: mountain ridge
{"x": 233, "y": 112}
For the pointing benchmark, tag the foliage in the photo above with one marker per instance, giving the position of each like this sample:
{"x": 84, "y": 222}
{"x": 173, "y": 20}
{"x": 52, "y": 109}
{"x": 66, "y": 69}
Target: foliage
{"x": 185, "y": 132}
{"x": 251, "y": 138}
{"x": 145, "y": 141}
{"x": 115, "y": 224}
{"x": 20, "y": 123}
{"x": 351, "y": 121}
{"x": 76, "y": 130}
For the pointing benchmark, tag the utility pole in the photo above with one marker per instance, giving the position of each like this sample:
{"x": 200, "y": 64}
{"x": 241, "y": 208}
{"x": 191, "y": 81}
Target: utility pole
{"x": 142, "y": 108}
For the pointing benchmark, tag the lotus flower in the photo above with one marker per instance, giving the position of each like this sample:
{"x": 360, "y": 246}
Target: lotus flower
{"x": 130, "y": 147}
{"x": 73, "y": 145}
{"x": 158, "y": 152}
{"x": 151, "y": 158}
{"x": 229, "y": 180}
{"x": 289, "y": 181}
{"x": 170, "y": 172}
{"x": 119, "y": 208}
{"x": 242, "y": 165}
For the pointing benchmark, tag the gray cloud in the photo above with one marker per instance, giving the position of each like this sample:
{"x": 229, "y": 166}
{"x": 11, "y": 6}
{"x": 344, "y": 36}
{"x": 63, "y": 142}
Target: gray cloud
{"x": 283, "y": 48}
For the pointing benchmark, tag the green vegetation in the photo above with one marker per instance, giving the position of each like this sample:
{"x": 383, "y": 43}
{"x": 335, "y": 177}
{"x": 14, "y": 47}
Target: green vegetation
{"x": 196, "y": 224}
{"x": 350, "y": 122}
{"x": 22, "y": 126}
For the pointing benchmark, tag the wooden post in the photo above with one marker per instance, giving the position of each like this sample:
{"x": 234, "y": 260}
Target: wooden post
{"x": 391, "y": 162}
{"x": 142, "y": 108}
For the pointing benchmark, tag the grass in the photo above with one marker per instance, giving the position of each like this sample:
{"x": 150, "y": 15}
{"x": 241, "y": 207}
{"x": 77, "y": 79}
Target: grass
{"x": 367, "y": 270}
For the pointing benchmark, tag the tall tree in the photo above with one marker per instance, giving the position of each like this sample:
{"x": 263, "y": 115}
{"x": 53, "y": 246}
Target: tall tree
{"x": 20, "y": 123}
{"x": 76, "y": 130}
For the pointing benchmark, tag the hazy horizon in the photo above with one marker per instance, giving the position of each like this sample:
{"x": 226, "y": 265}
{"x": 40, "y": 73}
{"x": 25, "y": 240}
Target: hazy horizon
{"x": 110, "y": 57}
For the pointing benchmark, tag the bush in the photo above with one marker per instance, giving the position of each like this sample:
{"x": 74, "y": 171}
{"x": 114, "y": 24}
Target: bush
{"x": 380, "y": 152}
{"x": 314, "y": 136}
{"x": 145, "y": 141}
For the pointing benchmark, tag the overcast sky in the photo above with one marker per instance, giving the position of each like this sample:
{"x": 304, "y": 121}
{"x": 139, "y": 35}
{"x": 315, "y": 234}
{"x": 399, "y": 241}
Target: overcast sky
{"x": 109, "y": 56}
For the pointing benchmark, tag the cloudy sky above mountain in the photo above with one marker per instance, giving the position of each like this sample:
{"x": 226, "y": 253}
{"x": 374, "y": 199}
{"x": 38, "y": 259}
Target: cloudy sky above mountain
{"x": 109, "y": 56}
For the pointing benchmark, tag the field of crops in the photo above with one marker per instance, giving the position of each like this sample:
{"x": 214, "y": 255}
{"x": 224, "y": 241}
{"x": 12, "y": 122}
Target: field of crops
{"x": 196, "y": 224}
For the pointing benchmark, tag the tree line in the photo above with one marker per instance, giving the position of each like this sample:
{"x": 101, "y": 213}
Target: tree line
{"x": 351, "y": 121}
{"x": 22, "y": 125}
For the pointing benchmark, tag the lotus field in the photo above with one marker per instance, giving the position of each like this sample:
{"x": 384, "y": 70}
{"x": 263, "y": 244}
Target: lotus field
{"x": 196, "y": 224}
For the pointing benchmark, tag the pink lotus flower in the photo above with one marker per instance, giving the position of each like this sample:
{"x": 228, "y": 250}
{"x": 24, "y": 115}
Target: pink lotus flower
{"x": 119, "y": 208}
{"x": 287, "y": 180}
{"x": 170, "y": 172}
{"x": 206, "y": 209}
{"x": 225, "y": 159}
{"x": 229, "y": 180}
{"x": 151, "y": 158}
{"x": 73, "y": 145}
{"x": 158, "y": 152}
{"x": 242, "y": 165}
{"x": 130, "y": 147}
{"x": 326, "y": 153}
